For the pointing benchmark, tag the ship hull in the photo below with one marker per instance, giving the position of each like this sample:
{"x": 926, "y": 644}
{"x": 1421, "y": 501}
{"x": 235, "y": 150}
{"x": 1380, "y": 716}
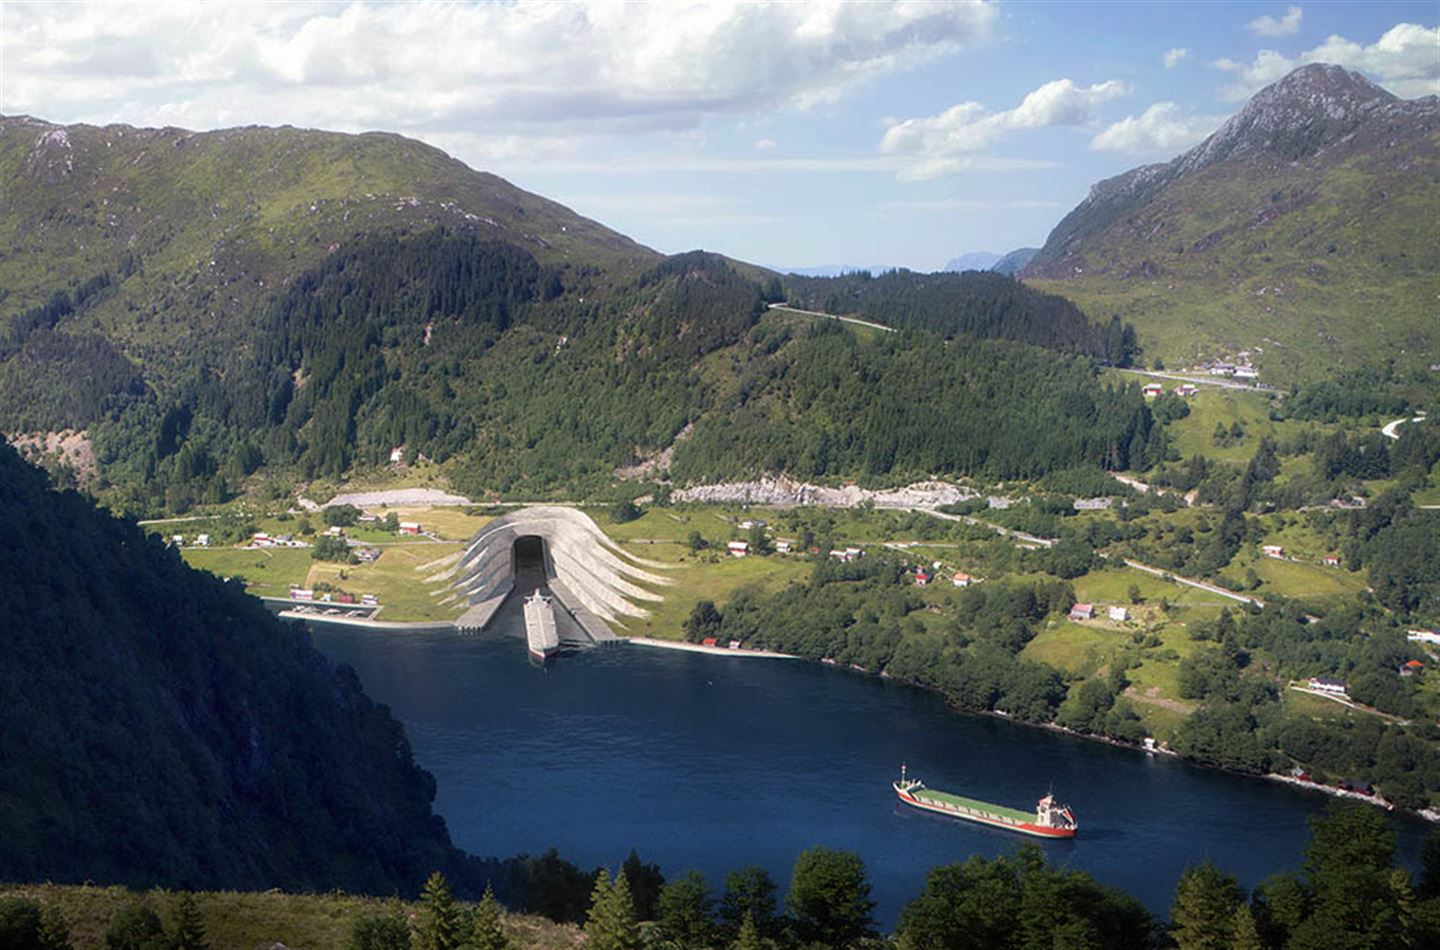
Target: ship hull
{"x": 979, "y": 817}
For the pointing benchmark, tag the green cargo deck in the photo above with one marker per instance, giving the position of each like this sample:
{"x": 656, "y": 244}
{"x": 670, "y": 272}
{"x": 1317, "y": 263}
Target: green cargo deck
{"x": 970, "y": 803}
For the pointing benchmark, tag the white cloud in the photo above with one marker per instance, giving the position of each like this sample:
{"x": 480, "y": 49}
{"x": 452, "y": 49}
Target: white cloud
{"x": 432, "y": 66}
{"x": 1269, "y": 26}
{"x": 946, "y": 143}
{"x": 765, "y": 144}
{"x": 1160, "y": 128}
{"x": 1175, "y": 57}
{"x": 1404, "y": 60}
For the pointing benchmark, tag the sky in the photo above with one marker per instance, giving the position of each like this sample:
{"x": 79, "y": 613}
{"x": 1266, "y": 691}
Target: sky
{"x": 787, "y": 134}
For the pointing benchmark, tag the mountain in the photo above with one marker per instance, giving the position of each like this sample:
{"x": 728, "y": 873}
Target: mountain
{"x": 159, "y": 727}
{"x": 245, "y": 310}
{"x": 1014, "y": 262}
{"x": 187, "y": 231}
{"x": 1302, "y": 231}
{"x": 974, "y": 260}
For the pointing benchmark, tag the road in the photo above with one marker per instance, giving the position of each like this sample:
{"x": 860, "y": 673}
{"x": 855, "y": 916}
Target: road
{"x": 1390, "y": 432}
{"x": 1223, "y": 383}
{"x": 830, "y": 316}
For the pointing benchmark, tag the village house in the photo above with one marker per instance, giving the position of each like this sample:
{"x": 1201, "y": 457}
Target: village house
{"x": 1325, "y": 684}
{"x": 1222, "y": 369}
{"x": 302, "y": 593}
{"x": 1411, "y": 667}
{"x": 1423, "y": 636}
{"x": 368, "y": 518}
{"x": 202, "y": 540}
{"x": 1152, "y": 390}
{"x": 734, "y": 644}
{"x": 1082, "y": 612}
{"x": 1119, "y": 614}
{"x": 1331, "y": 560}
{"x": 1246, "y": 372}
{"x": 1091, "y": 504}
{"x": 178, "y": 540}
{"x": 409, "y": 527}
{"x": 397, "y": 455}
{"x": 1273, "y": 550}
{"x": 1187, "y": 390}
{"x": 369, "y": 600}
{"x": 738, "y": 548}
{"x": 748, "y": 525}
{"x": 962, "y": 579}
{"x": 261, "y": 540}
{"x": 922, "y": 577}
{"x": 782, "y": 547}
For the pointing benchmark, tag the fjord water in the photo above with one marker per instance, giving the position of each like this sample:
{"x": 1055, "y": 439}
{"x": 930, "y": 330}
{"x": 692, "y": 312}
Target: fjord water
{"x": 718, "y": 762}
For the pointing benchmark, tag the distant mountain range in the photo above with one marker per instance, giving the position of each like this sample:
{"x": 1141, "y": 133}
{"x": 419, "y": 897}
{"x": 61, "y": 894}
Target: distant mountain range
{"x": 836, "y": 270}
{"x": 1303, "y": 230}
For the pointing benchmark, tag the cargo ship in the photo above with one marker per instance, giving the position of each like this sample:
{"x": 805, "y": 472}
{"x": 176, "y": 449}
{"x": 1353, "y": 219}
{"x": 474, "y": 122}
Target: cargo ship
{"x": 1050, "y": 819}
{"x": 541, "y": 637}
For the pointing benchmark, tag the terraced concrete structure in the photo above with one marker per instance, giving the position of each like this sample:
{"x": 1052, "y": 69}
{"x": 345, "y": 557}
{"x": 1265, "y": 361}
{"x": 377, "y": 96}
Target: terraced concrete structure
{"x": 591, "y": 576}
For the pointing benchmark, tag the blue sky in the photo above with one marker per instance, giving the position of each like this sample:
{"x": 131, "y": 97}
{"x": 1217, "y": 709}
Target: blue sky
{"x": 785, "y": 134}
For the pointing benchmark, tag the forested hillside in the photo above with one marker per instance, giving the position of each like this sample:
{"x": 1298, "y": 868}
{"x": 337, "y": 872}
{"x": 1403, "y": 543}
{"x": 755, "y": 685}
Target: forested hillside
{"x": 158, "y": 726}
{"x": 980, "y": 304}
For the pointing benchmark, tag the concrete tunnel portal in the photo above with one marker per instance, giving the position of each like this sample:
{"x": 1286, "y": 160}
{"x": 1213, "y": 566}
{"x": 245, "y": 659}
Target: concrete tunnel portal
{"x": 562, "y": 552}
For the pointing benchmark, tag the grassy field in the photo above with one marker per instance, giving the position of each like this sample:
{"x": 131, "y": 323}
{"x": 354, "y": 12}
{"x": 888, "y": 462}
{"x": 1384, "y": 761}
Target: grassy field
{"x": 1075, "y": 648}
{"x": 268, "y": 572}
{"x": 244, "y": 921}
{"x": 398, "y": 579}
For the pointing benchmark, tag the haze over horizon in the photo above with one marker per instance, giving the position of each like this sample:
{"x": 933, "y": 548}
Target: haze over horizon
{"x": 787, "y": 135}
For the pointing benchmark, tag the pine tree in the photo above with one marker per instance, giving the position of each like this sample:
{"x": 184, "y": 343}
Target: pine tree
{"x": 189, "y": 928}
{"x": 485, "y": 931}
{"x": 749, "y": 936}
{"x": 1245, "y": 933}
{"x": 611, "y": 924}
{"x": 1204, "y": 908}
{"x": 439, "y": 923}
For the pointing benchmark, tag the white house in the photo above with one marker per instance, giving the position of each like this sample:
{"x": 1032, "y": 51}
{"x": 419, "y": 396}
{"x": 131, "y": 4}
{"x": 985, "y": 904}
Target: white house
{"x": 202, "y": 540}
{"x": 1119, "y": 614}
{"x": 1082, "y": 612}
{"x": 1273, "y": 550}
{"x": 1246, "y": 372}
{"x": 1187, "y": 390}
{"x": 1324, "y": 684}
{"x": 782, "y": 547}
{"x": 961, "y": 579}
{"x": 1423, "y": 636}
{"x": 738, "y": 548}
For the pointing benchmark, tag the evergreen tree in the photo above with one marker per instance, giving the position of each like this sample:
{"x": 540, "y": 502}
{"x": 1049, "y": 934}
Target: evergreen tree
{"x": 189, "y": 928}
{"x": 645, "y": 880}
{"x": 749, "y": 892}
{"x": 1203, "y": 913}
{"x": 748, "y": 938}
{"x": 388, "y": 931}
{"x": 485, "y": 932}
{"x": 438, "y": 927}
{"x": 683, "y": 912}
{"x": 611, "y": 924}
{"x": 830, "y": 898}
{"x": 1357, "y": 902}
{"x": 1244, "y": 931}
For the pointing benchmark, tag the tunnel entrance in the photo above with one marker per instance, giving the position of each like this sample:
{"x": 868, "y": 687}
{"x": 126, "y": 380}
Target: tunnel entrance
{"x": 528, "y": 563}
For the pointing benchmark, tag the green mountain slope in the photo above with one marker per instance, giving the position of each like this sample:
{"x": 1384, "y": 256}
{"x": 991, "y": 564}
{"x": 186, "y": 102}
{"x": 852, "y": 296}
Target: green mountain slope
{"x": 1303, "y": 231}
{"x": 157, "y": 725}
{"x": 301, "y": 304}
{"x": 194, "y": 228}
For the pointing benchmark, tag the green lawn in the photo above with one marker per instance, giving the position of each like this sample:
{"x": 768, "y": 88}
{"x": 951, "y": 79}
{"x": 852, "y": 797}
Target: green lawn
{"x": 269, "y": 572}
{"x": 397, "y": 578}
{"x": 1075, "y": 648}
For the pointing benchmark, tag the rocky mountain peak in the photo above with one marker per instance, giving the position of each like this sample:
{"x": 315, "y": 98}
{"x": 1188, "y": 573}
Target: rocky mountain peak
{"x": 1303, "y": 113}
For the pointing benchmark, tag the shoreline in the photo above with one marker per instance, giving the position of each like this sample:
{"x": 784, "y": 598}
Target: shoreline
{"x": 712, "y": 651}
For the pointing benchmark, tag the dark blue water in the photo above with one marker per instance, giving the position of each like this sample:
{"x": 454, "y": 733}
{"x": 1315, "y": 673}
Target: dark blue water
{"x": 717, "y": 762}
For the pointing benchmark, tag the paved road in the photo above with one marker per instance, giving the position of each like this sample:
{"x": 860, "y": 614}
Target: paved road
{"x": 1389, "y": 430}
